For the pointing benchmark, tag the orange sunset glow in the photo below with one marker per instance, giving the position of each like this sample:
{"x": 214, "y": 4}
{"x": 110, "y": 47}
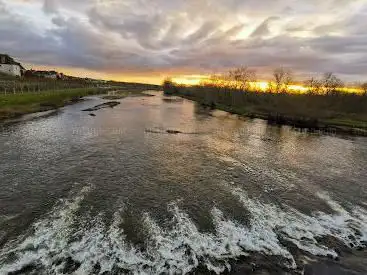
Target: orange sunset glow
{"x": 183, "y": 137}
{"x": 192, "y": 80}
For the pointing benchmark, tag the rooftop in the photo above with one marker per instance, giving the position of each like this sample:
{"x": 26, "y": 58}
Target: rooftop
{"x": 6, "y": 59}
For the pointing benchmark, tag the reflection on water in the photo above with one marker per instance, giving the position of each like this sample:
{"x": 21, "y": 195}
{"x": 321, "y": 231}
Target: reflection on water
{"x": 101, "y": 194}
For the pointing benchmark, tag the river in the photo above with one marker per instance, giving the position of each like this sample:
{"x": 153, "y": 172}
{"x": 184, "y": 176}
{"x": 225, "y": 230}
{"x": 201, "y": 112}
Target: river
{"x": 116, "y": 193}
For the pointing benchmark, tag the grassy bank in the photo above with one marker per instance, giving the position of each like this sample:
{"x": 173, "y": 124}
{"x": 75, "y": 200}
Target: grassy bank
{"x": 341, "y": 112}
{"x": 14, "y": 105}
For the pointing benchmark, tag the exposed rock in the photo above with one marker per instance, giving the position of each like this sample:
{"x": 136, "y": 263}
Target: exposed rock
{"x": 109, "y": 104}
{"x": 172, "y": 99}
{"x": 174, "y": 132}
{"x": 171, "y": 132}
{"x": 75, "y": 99}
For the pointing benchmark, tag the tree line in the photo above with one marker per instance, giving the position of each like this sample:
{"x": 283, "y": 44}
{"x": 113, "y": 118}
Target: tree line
{"x": 245, "y": 78}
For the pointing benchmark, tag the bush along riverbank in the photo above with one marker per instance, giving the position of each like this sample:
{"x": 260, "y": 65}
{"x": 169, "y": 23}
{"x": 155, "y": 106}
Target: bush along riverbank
{"x": 335, "y": 113}
{"x": 15, "y": 105}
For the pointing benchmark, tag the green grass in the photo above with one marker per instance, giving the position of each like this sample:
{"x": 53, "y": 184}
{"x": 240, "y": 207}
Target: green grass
{"x": 342, "y": 111}
{"x": 36, "y": 94}
{"x": 13, "y": 105}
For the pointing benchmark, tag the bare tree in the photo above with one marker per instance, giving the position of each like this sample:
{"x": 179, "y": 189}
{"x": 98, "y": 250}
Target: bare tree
{"x": 216, "y": 80}
{"x": 271, "y": 87}
{"x": 332, "y": 83}
{"x": 242, "y": 77}
{"x": 364, "y": 88}
{"x": 314, "y": 85}
{"x": 169, "y": 87}
{"x": 283, "y": 77}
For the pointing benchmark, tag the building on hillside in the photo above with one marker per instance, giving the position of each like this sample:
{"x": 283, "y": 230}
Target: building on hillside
{"x": 44, "y": 74}
{"x": 51, "y": 75}
{"x": 9, "y": 66}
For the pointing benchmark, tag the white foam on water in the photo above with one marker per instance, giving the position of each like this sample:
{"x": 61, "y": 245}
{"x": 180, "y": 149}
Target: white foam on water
{"x": 345, "y": 224}
{"x": 183, "y": 248}
{"x": 107, "y": 247}
{"x": 250, "y": 238}
{"x": 49, "y": 237}
{"x": 180, "y": 248}
{"x": 55, "y": 239}
{"x": 302, "y": 230}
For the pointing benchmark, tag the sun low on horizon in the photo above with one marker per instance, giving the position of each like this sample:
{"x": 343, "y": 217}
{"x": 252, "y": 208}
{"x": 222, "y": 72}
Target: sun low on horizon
{"x": 148, "y": 41}
{"x": 183, "y": 137}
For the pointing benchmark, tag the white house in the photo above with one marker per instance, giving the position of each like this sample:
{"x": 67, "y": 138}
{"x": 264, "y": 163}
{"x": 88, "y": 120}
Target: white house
{"x": 51, "y": 75}
{"x": 9, "y": 66}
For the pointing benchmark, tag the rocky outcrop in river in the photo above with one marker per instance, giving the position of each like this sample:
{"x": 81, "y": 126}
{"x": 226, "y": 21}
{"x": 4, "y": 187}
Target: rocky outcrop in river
{"x": 109, "y": 104}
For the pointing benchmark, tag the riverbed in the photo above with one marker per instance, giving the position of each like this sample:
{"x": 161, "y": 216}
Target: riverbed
{"x": 156, "y": 186}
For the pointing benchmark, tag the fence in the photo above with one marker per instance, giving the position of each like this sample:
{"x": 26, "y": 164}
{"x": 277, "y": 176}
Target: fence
{"x": 39, "y": 85}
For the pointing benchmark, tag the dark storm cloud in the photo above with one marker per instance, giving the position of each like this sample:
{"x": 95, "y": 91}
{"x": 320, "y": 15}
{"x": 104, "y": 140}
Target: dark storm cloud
{"x": 201, "y": 35}
{"x": 17, "y": 37}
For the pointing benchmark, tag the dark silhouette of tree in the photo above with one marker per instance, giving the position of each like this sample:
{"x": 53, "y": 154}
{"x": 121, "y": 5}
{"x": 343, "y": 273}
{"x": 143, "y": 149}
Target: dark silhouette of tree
{"x": 271, "y": 87}
{"x": 364, "y": 88}
{"x": 242, "y": 77}
{"x": 169, "y": 87}
{"x": 282, "y": 77}
{"x": 216, "y": 80}
{"x": 332, "y": 83}
{"x": 314, "y": 85}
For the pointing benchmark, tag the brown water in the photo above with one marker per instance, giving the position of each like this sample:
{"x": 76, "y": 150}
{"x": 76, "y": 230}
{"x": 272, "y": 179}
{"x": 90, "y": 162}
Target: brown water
{"x": 115, "y": 193}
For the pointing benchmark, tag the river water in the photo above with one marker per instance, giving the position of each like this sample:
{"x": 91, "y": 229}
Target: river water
{"x": 116, "y": 193}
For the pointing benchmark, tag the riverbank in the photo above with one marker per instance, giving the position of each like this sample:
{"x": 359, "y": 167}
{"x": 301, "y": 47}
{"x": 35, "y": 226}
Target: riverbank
{"x": 15, "y": 105}
{"x": 103, "y": 194}
{"x": 341, "y": 113}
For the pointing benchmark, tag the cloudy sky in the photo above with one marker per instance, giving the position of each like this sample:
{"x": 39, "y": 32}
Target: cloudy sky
{"x": 154, "y": 38}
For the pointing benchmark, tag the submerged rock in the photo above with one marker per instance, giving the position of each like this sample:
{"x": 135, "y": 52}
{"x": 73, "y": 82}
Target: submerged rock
{"x": 109, "y": 104}
{"x": 172, "y": 99}
{"x": 161, "y": 131}
{"x": 174, "y": 132}
{"x": 171, "y": 132}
